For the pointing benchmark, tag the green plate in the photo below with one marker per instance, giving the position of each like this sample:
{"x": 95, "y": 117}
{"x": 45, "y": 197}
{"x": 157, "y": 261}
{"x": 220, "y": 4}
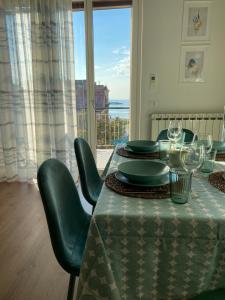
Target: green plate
{"x": 165, "y": 180}
{"x": 147, "y": 171}
{"x": 142, "y": 146}
{"x": 141, "y": 152}
{"x": 219, "y": 146}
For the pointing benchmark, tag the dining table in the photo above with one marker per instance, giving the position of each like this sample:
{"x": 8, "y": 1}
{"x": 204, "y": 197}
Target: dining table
{"x": 154, "y": 249}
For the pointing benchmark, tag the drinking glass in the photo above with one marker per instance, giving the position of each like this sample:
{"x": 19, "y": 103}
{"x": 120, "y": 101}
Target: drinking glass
{"x": 164, "y": 149}
{"x": 180, "y": 186}
{"x": 174, "y": 131}
{"x": 209, "y": 162}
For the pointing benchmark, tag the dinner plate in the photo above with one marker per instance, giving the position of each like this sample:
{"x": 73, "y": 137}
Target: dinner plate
{"x": 142, "y": 146}
{"x": 140, "y": 171}
{"x": 165, "y": 180}
{"x": 142, "y": 152}
{"x": 124, "y": 179}
{"x": 219, "y": 146}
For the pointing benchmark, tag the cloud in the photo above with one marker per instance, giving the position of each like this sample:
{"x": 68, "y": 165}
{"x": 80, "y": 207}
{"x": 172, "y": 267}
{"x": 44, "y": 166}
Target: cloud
{"x": 121, "y": 67}
{"x": 123, "y": 50}
{"x": 118, "y": 67}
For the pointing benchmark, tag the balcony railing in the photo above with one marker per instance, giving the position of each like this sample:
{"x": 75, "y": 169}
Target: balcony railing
{"x": 112, "y": 126}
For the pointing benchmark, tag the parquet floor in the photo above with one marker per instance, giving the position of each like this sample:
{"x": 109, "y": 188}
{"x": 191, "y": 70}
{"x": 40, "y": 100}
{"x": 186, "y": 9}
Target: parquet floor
{"x": 28, "y": 268}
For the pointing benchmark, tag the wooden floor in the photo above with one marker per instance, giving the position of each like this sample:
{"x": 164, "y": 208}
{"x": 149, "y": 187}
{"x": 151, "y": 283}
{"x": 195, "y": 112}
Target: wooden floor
{"x": 28, "y": 268}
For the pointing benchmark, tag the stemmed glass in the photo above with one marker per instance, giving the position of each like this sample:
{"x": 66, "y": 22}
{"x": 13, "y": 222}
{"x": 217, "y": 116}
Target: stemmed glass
{"x": 205, "y": 140}
{"x": 174, "y": 131}
{"x": 191, "y": 157}
{"x": 208, "y": 143}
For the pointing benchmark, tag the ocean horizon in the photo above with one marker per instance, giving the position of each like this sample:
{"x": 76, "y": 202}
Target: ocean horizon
{"x": 115, "y": 111}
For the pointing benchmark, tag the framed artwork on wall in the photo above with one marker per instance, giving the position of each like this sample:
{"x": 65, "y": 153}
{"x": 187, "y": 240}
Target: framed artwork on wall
{"x": 193, "y": 63}
{"x": 196, "y": 21}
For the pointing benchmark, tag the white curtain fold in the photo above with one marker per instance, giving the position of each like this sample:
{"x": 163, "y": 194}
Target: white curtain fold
{"x": 37, "y": 87}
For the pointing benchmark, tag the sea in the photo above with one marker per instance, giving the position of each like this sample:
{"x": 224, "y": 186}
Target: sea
{"x": 119, "y": 108}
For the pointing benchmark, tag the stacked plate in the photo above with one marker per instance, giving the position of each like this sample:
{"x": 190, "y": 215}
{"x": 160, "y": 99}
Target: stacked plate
{"x": 142, "y": 146}
{"x": 219, "y": 146}
{"x": 143, "y": 173}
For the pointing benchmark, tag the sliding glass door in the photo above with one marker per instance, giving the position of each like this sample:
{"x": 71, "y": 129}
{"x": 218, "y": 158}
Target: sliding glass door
{"x": 102, "y": 31}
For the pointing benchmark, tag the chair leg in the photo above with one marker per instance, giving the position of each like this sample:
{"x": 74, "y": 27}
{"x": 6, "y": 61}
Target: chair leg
{"x": 71, "y": 287}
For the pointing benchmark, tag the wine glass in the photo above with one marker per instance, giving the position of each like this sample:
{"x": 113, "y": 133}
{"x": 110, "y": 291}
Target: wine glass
{"x": 204, "y": 139}
{"x": 174, "y": 131}
{"x": 192, "y": 157}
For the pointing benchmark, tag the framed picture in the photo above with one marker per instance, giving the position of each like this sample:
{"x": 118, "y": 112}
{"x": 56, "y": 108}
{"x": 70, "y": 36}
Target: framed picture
{"x": 193, "y": 63}
{"x": 196, "y": 20}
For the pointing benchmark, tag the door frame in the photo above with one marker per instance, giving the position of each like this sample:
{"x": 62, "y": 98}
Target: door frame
{"x": 89, "y": 43}
{"x": 136, "y": 70}
{"x": 135, "y": 75}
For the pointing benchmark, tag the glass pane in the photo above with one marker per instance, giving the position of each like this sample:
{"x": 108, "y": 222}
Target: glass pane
{"x": 80, "y": 72}
{"x": 112, "y": 30}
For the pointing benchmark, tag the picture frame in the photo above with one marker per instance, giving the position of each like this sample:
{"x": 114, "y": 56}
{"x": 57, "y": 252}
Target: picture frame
{"x": 193, "y": 64}
{"x": 196, "y": 21}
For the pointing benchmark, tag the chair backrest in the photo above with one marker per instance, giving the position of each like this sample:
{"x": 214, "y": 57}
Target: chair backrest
{"x": 66, "y": 218}
{"x": 188, "y": 135}
{"x": 91, "y": 182}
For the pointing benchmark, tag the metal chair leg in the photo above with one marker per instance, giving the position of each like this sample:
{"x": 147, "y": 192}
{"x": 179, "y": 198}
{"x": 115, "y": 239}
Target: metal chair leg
{"x": 71, "y": 287}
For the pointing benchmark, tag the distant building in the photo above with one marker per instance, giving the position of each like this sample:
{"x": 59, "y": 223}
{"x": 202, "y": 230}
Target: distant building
{"x": 81, "y": 94}
{"x": 101, "y": 95}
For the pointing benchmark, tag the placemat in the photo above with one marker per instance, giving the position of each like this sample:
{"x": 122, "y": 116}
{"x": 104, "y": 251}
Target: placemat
{"x": 123, "y": 152}
{"x": 220, "y": 156}
{"x": 114, "y": 184}
{"x": 154, "y": 155}
{"x": 216, "y": 179}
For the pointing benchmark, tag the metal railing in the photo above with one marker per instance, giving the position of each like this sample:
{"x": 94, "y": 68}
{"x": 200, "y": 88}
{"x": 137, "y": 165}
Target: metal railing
{"x": 112, "y": 126}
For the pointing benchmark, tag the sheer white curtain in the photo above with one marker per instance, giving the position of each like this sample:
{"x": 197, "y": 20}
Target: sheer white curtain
{"x": 37, "y": 86}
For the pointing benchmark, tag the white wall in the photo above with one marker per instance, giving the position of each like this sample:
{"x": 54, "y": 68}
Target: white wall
{"x": 161, "y": 49}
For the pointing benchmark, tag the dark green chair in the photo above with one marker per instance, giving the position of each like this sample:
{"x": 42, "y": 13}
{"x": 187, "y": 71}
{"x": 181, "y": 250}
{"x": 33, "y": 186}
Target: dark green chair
{"x": 188, "y": 135}
{"x": 91, "y": 181}
{"x": 212, "y": 295}
{"x": 104, "y": 173}
{"x": 68, "y": 223}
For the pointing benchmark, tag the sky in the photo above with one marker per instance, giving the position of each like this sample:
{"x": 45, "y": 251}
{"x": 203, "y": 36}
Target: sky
{"x": 112, "y": 31}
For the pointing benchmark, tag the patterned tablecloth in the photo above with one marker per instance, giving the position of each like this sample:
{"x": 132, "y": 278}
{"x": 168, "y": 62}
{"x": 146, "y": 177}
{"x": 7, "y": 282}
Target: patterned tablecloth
{"x": 141, "y": 249}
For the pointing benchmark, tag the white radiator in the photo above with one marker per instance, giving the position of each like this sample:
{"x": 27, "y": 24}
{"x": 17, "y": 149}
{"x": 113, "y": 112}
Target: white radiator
{"x": 211, "y": 123}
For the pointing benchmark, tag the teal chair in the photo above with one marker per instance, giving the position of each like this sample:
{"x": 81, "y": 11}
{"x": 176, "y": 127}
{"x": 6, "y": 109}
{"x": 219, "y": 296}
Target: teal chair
{"x": 91, "y": 181}
{"x": 68, "y": 223}
{"x": 212, "y": 295}
{"x": 188, "y": 135}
